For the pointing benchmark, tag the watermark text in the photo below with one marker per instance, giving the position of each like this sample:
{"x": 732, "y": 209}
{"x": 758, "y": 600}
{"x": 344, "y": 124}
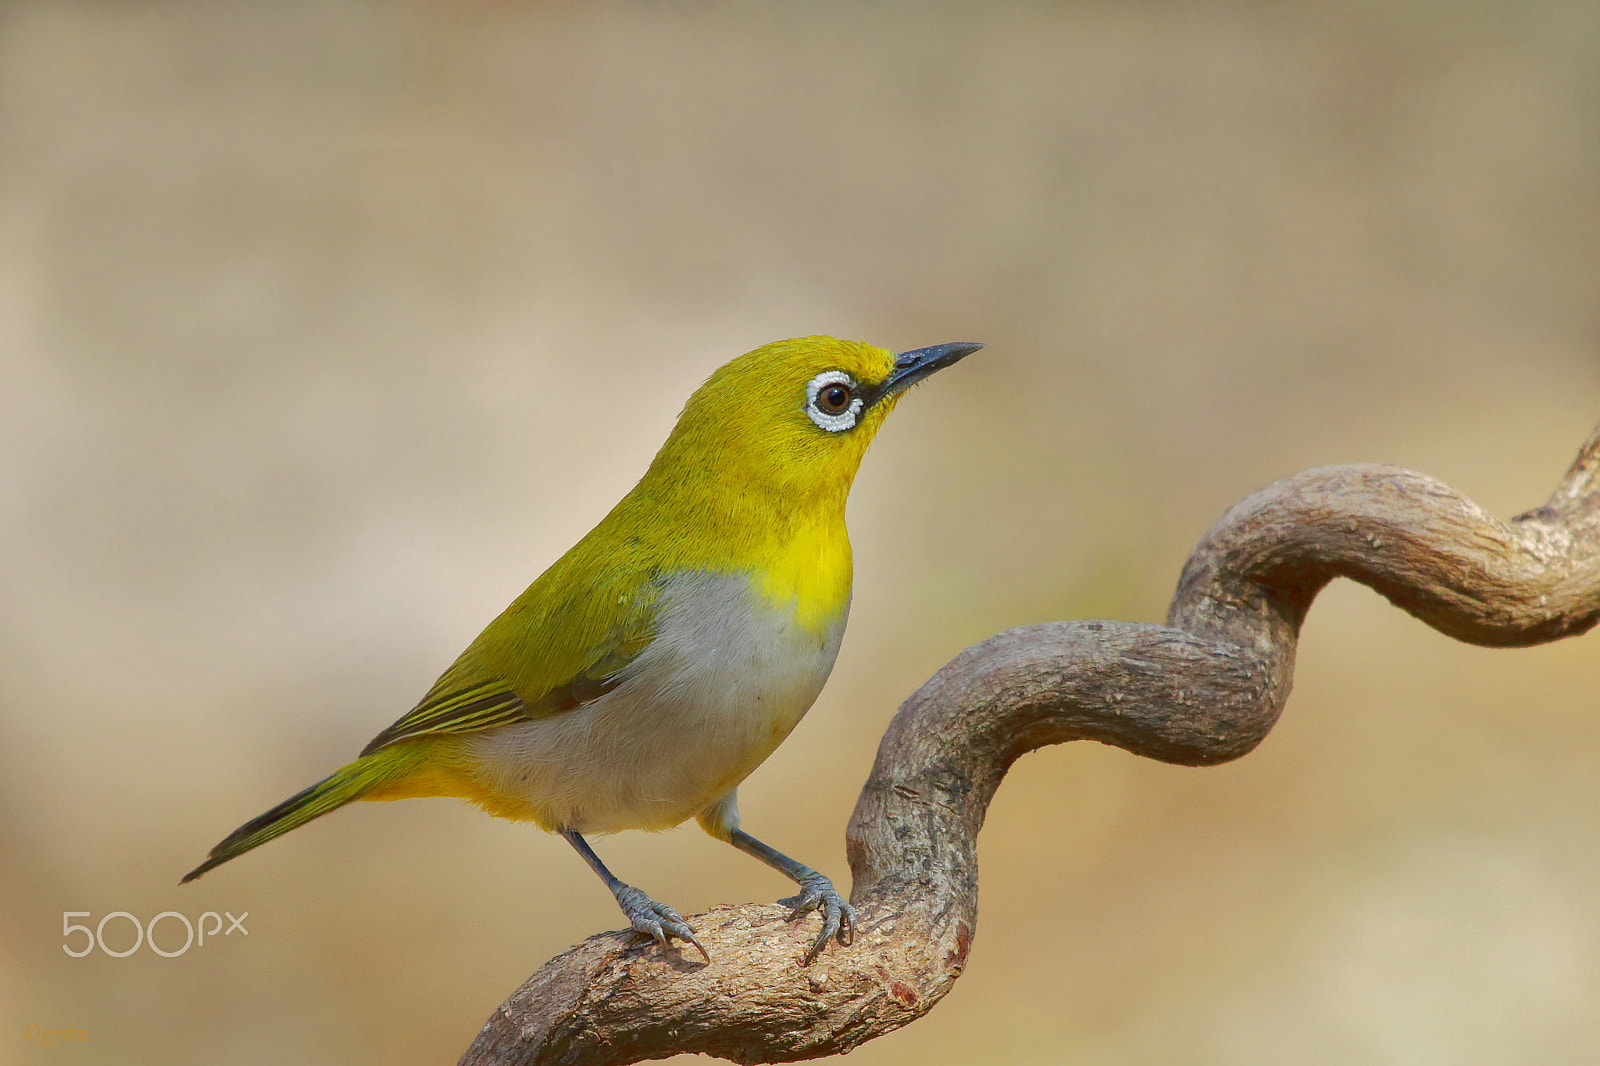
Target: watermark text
{"x": 38, "y": 1034}
{"x": 122, "y": 924}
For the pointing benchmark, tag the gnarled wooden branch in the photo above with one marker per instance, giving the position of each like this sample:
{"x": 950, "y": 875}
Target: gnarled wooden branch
{"x": 1202, "y": 689}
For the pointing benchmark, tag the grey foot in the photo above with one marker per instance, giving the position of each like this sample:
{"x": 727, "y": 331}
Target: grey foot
{"x": 656, "y": 920}
{"x": 838, "y": 917}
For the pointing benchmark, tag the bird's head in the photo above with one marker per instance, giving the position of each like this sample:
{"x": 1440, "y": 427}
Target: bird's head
{"x": 795, "y": 416}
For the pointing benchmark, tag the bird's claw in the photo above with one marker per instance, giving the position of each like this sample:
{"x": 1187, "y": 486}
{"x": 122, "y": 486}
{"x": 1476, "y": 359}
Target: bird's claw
{"x": 838, "y": 917}
{"x": 657, "y": 920}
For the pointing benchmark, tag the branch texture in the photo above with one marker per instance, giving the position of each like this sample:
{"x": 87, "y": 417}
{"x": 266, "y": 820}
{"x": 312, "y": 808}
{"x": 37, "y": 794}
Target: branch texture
{"x": 1203, "y": 689}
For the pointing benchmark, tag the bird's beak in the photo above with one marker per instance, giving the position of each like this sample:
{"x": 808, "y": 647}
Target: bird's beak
{"x": 911, "y": 367}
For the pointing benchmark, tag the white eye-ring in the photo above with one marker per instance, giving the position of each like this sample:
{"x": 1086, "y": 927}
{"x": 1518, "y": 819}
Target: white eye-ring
{"x": 831, "y": 401}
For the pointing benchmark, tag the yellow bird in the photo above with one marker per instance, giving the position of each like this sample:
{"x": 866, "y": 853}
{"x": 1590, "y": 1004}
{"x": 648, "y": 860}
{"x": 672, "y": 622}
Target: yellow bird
{"x": 642, "y": 677}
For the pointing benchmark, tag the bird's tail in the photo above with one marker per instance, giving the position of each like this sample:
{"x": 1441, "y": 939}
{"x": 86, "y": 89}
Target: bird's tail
{"x": 350, "y": 782}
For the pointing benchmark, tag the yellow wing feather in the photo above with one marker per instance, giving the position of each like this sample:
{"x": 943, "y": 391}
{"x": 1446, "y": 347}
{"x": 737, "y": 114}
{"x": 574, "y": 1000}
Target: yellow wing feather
{"x": 548, "y": 652}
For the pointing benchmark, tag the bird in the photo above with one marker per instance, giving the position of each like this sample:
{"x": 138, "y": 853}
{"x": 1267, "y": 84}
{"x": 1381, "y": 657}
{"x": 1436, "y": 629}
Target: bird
{"x": 643, "y": 676}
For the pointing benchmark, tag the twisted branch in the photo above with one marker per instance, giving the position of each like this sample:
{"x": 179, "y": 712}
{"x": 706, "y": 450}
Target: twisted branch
{"x": 1200, "y": 690}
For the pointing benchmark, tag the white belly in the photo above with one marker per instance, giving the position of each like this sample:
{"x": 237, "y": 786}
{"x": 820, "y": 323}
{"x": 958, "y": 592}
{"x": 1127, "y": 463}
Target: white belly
{"x": 723, "y": 682}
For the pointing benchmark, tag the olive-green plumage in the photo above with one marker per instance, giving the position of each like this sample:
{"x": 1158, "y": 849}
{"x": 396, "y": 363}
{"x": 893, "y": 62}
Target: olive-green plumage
{"x": 642, "y": 676}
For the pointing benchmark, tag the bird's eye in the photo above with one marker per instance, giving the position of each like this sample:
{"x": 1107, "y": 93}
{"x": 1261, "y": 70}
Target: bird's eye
{"x": 834, "y": 399}
{"x": 831, "y": 401}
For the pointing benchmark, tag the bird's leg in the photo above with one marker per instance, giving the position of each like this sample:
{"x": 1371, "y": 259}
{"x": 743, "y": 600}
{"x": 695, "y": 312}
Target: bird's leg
{"x": 653, "y": 919}
{"x": 816, "y": 892}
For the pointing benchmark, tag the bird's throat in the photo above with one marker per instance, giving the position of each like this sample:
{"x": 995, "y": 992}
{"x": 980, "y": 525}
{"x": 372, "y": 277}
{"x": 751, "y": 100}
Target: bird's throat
{"x": 809, "y": 573}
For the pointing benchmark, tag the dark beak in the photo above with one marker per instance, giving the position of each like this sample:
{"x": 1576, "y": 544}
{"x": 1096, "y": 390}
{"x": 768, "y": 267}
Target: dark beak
{"x": 911, "y": 367}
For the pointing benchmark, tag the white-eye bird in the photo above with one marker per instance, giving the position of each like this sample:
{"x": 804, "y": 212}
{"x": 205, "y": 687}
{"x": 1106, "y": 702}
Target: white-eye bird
{"x": 644, "y": 675}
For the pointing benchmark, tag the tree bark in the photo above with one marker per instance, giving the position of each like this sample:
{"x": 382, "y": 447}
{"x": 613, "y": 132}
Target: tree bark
{"x": 1203, "y": 689}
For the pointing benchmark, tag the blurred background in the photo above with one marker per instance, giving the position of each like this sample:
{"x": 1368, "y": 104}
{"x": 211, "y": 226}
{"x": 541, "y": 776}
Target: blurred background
{"x": 326, "y": 325}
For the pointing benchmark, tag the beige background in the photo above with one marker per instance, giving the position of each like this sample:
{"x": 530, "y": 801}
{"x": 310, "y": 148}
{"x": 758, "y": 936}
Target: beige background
{"x": 324, "y": 326}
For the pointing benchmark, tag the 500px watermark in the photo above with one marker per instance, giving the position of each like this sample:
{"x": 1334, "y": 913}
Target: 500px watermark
{"x": 38, "y": 1034}
{"x": 145, "y": 934}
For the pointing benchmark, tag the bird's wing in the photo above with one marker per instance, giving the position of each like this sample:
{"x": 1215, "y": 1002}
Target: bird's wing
{"x": 516, "y": 671}
{"x": 448, "y": 709}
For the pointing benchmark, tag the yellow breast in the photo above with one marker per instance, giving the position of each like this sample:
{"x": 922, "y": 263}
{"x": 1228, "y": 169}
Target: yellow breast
{"x": 809, "y": 574}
